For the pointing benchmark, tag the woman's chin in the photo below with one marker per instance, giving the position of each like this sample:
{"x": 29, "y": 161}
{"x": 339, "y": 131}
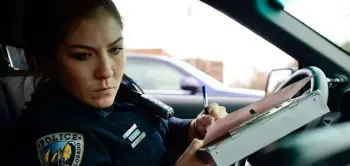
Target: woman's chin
{"x": 103, "y": 102}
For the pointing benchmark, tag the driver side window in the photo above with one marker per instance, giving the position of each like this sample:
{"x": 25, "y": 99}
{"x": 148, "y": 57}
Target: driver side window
{"x": 153, "y": 74}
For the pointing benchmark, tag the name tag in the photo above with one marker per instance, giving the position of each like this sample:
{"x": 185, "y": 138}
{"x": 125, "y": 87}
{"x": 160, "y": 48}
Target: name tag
{"x": 128, "y": 132}
{"x": 138, "y": 140}
{"x": 134, "y": 135}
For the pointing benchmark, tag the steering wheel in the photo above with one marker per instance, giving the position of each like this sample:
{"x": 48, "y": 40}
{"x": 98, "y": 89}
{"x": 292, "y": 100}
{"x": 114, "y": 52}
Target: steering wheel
{"x": 318, "y": 82}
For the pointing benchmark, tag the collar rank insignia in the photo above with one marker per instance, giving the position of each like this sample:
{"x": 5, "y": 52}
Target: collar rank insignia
{"x": 134, "y": 135}
{"x": 61, "y": 149}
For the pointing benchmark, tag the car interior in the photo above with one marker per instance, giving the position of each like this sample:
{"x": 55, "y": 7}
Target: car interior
{"x": 324, "y": 143}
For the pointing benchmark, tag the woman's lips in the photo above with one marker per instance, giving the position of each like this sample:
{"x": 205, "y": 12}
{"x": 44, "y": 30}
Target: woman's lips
{"x": 104, "y": 91}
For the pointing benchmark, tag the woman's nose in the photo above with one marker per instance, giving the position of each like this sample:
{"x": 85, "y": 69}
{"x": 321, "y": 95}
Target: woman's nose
{"x": 104, "y": 69}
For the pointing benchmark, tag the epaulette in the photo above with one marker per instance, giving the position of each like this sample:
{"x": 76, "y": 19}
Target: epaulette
{"x": 136, "y": 95}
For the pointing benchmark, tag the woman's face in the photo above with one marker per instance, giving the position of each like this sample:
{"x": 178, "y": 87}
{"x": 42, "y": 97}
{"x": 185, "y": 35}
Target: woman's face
{"x": 91, "y": 61}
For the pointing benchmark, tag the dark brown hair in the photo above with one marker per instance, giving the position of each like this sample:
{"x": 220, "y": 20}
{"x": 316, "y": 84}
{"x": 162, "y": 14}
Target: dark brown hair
{"x": 47, "y": 23}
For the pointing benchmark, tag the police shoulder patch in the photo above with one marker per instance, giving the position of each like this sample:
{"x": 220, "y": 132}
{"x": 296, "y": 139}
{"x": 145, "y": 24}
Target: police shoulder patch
{"x": 63, "y": 149}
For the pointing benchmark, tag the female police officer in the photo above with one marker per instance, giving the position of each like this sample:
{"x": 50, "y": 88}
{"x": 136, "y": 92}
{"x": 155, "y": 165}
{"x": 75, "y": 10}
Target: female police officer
{"x": 84, "y": 110}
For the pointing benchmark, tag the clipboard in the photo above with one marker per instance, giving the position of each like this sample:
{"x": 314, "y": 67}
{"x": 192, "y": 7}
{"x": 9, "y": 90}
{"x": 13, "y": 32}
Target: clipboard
{"x": 229, "y": 134}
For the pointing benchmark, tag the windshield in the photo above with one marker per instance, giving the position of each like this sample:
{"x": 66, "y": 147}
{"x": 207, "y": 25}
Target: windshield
{"x": 330, "y": 18}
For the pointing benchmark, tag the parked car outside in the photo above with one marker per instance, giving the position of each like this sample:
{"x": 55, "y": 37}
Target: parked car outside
{"x": 166, "y": 75}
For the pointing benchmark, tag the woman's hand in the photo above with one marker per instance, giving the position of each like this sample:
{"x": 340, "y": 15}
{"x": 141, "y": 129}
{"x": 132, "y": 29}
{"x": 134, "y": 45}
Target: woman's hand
{"x": 189, "y": 158}
{"x": 199, "y": 126}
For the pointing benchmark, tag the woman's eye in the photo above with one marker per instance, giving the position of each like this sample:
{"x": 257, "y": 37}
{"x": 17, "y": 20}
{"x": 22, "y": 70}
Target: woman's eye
{"x": 115, "y": 51}
{"x": 81, "y": 56}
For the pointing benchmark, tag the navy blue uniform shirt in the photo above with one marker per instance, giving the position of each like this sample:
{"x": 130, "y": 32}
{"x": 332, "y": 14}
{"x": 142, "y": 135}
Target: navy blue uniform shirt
{"x": 58, "y": 129}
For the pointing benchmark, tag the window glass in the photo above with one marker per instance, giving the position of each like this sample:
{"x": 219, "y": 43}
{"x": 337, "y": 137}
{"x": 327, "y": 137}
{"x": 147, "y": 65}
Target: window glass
{"x": 152, "y": 74}
{"x": 330, "y": 18}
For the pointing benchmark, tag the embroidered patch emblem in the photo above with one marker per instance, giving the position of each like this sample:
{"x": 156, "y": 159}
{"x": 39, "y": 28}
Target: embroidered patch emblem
{"x": 61, "y": 149}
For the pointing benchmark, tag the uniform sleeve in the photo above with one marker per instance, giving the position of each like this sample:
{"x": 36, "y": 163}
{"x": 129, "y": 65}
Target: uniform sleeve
{"x": 178, "y": 130}
{"x": 177, "y": 138}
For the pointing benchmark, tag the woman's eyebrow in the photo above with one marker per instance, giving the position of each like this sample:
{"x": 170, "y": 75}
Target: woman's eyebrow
{"x": 91, "y": 48}
{"x": 116, "y": 41}
{"x": 79, "y": 46}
